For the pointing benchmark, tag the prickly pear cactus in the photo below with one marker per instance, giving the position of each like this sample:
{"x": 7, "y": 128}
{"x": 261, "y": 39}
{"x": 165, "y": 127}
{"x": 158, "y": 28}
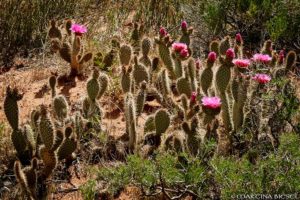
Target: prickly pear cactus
{"x": 93, "y": 86}
{"x": 61, "y": 107}
{"x": 141, "y": 98}
{"x": 146, "y": 47}
{"x": 11, "y": 108}
{"x": 184, "y": 86}
{"x": 68, "y": 146}
{"x": 125, "y": 55}
{"x": 49, "y": 158}
{"x": 103, "y": 81}
{"x": 52, "y": 84}
{"x": 214, "y": 46}
{"x": 224, "y": 45}
{"x": 46, "y": 128}
{"x": 126, "y": 79}
{"x": 130, "y": 114}
{"x": 206, "y": 77}
{"x": 162, "y": 121}
{"x": 140, "y": 73}
{"x": 163, "y": 44}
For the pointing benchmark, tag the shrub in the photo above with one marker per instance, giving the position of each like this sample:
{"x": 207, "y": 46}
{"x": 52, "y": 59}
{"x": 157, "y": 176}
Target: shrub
{"x": 278, "y": 173}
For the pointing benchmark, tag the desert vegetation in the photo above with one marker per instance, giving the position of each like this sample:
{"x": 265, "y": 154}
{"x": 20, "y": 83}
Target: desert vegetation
{"x": 163, "y": 104}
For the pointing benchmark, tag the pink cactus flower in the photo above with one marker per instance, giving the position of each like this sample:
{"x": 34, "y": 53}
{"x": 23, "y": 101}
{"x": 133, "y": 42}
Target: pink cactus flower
{"x": 211, "y": 102}
{"x": 184, "y": 25}
{"x": 198, "y": 64}
{"x": 238, "y": 37}
{"x": 162, "y": 32}
{"x": 262, "y": 78}
{"x": 242, "y": 63}
{"x": 78, "y": 29}
{"x": 178, "y": 47}
{"x": 230, "y": 53}
{"x": 193, "y": 97}
{"x": 261, "y": 58}
{"x": 212, "y": 56}
{"x": 184, "y": 53}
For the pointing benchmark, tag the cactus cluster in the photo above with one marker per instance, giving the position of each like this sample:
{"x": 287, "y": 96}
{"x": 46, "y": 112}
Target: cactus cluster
{"x": 69, "y": 46}
{"x": 194, "y": 102}
{"x": 40, "y": 140}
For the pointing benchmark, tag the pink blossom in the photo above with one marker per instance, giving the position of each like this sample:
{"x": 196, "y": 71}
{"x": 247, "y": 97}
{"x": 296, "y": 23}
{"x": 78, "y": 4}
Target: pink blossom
{"x": 162, "y": 32}
{"x": 78, "y": 29}
{"x": 238, "y": 37}
{"x": 184, "y": 53}
{"x": 212, "y": 56}
{"x": 262, "y": 78}
{"x": 178, "y": 47}
{"x": 193, "y": 97}
{"x": 184, "y": 25}
{"x": 262, "y": 58}
{"x": 211, "y": 102}
{"x": 230, "y": 53}
{"x": 242, "y": 63}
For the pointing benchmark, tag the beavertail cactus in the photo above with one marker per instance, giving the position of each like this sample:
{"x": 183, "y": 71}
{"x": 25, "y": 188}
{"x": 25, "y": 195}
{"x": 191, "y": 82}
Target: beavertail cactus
{"x": 27, "y": 178}
{"x": 267, "y": 48}
{"x": 54, "y": 31}
{"x": 193, "y": 139}
{"x": 68, "y": 146}
{"x": 224, "y": 45}
{"x": 186, "y": 33}
{"x": 140, "y": 72}
{"x": 141, "y": 98}
{"x": 61, "y": 107}
{"x": 291, "y": 58}
{"x": 126, "y": 79}
{"x": 103, "y": 81}
{"x": 164, "y": 52}
{"x": 162, "y": 121}
{"x": 52, "y": 84}
{"x": 214, "y": 46}
{"x": 125, "y": 55}
{"x": 46, "y": 128}
{"x": 11, "y": 108}
{"x": 146, "y": 47}
{"x": 207, "y": 74}
{"x": 93, "y": 86}
{"x": 183, "y": 86}
{"x": 130, "y": 115}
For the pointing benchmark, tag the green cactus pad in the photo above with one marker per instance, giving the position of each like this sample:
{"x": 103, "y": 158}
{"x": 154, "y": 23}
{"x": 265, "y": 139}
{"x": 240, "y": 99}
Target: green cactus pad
{"x": 46, "y": 128}
{"x": 162, "y": 121}
{"x": 60, "y": 106}
{"x": 183, "y": 86}
{"x": 125, "y": 55}
{"x": 11, "y": 108}
{"x": 224, "y": 45}
{"x": 140, "y": 73}
{"x": 103, "y": 81}
{"x": 93, "y": 87}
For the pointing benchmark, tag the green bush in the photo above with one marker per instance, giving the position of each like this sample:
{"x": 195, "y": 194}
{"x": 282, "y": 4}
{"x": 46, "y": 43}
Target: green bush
{"x": 278, "y": 173}
{"x": 257, "y": 20}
